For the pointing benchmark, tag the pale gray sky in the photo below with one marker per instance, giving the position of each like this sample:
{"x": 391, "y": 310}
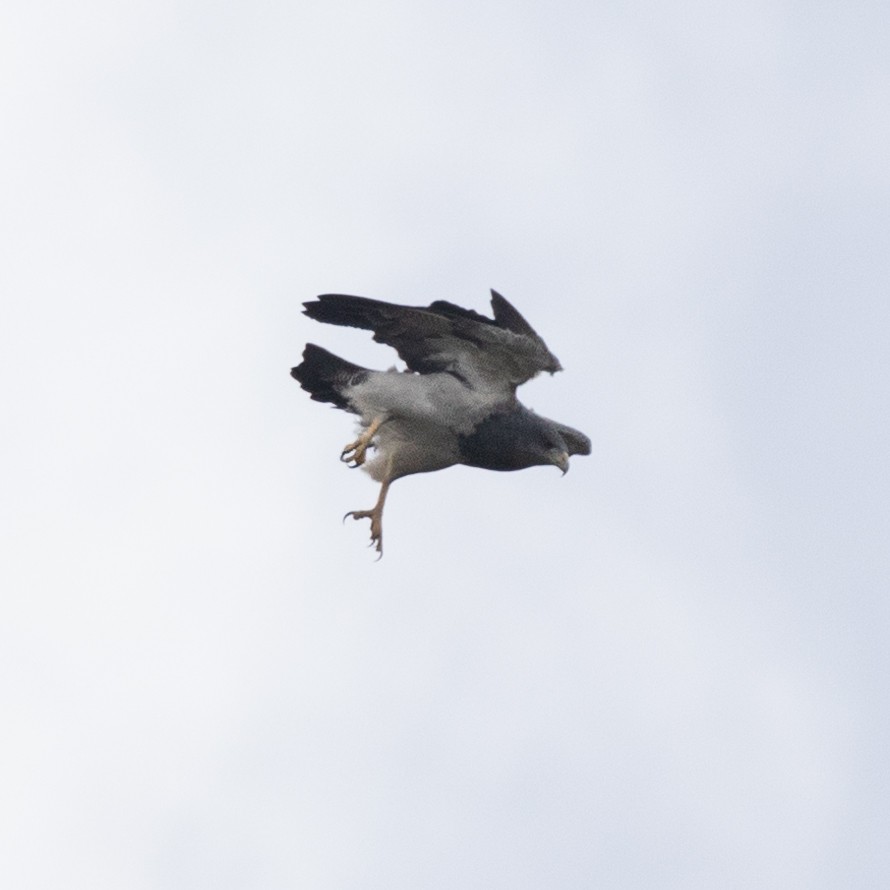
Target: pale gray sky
{"x": 668, "y": 669}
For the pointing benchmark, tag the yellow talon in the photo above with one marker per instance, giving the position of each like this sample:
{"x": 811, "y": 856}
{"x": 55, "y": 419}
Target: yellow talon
{"x": 354, "y": 453}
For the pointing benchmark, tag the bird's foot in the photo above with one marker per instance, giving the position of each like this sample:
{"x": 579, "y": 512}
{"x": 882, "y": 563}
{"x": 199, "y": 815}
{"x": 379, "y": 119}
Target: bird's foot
{"x": 354, "y": 453}
{"x": 376, "y": 517}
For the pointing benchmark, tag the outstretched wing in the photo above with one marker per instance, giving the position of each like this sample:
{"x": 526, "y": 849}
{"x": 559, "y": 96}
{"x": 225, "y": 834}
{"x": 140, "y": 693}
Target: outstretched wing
{"x": 497, "y": 353}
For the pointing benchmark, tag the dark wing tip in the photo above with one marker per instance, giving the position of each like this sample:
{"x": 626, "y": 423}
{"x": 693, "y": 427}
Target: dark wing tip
{"x": 311, "y": 307}
{"x": 347, "y": 311}
{"x": 323, "y": 304}
{"x": 508, "y": 316}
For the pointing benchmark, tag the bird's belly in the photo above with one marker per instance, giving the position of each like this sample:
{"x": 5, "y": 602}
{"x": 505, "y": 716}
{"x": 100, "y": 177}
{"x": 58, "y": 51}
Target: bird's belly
{"x": 435, "y": 399}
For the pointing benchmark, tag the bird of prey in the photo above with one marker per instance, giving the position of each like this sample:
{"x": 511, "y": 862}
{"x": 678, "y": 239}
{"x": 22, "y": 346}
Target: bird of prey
{"x": 454, "y": 404}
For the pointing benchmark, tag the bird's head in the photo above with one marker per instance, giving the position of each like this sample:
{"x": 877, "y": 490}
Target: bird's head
{"x": 558, "y": 455}
{"x": 518, "y": 439}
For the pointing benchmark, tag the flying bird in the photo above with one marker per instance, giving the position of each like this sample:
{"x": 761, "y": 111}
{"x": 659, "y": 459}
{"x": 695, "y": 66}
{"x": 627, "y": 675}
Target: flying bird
{"x": 456, "y": 402}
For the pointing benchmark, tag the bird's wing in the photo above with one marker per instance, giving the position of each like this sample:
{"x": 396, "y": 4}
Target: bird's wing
{"x": 491, "y": 354}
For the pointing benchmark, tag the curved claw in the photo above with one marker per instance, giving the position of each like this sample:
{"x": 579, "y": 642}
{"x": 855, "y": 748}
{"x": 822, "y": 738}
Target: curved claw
{"x": 354, "y": 453}
{"x": 375, "y": 515}
{"x": 376, "y": 529}
{"x": 352, "y": 457}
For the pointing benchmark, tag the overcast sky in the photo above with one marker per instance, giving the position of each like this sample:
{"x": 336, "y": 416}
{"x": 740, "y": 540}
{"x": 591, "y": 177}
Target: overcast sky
{"x": 668, "y": 669}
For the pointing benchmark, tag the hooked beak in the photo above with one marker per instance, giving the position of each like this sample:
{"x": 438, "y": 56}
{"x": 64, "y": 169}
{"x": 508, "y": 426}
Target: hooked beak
{"x": 561, "y": 459}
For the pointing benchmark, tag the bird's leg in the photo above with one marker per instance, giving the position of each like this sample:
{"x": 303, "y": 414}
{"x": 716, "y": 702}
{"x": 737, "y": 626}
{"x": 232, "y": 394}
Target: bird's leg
{"x": 375, "y": 515}
{"x": 354, "y": 453}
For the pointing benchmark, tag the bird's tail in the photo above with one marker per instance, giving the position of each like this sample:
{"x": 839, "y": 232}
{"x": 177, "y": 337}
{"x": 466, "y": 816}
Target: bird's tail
{"x": 326, "y": 377}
